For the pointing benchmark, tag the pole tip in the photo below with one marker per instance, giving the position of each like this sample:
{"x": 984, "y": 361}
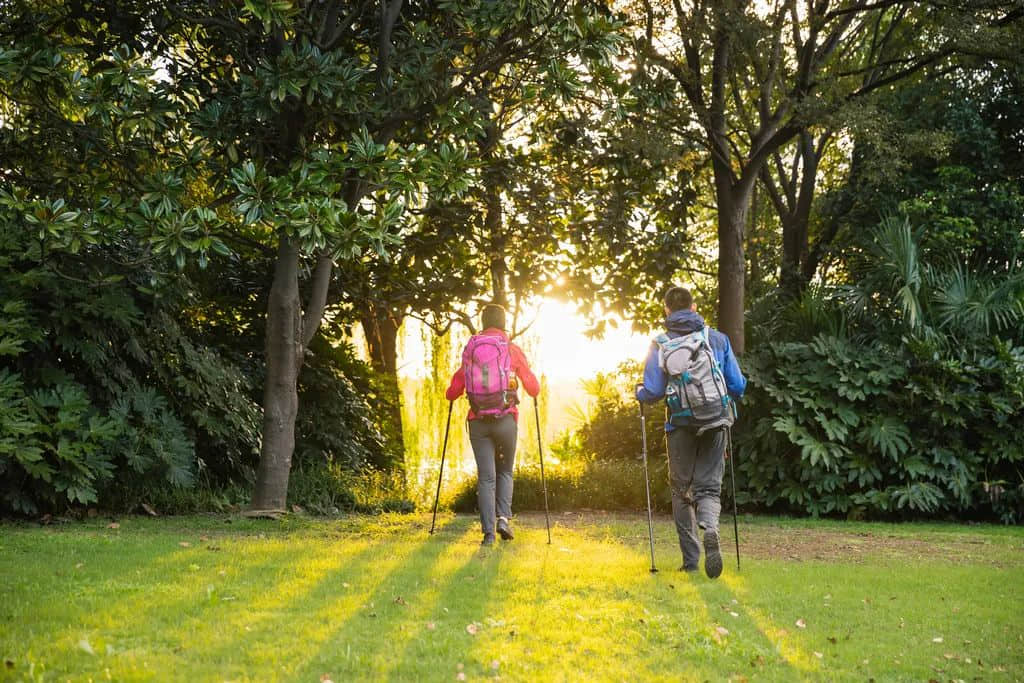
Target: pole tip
{"x": 653, "y": 570}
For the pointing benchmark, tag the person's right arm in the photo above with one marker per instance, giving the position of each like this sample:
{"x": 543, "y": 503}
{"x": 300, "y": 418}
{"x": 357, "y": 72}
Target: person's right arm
{"x": 655, "y": 381}
{"x": 457, "y": 385}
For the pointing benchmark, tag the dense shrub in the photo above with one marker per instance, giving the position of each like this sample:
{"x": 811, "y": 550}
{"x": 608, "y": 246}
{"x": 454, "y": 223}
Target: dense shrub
{"x": 871, "y": 429}
{"x": 115, "y": 389}
{"x": 595, "y": 485}
{"x": 899, "y": 395}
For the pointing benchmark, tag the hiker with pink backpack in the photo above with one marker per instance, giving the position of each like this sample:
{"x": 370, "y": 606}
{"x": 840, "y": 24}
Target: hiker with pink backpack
{"x": 491, "y": 371}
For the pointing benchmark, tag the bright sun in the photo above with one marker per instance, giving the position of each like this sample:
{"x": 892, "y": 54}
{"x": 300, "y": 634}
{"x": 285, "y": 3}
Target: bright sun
{"x": 563, "y": 351}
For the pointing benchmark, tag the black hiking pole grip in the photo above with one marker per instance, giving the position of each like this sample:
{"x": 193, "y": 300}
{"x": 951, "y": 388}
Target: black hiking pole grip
{"x": 437, "y": 496}
{"x": 647, "y": 484}
{"x": 543, "y": 480}
{"x": 732, "y": 472}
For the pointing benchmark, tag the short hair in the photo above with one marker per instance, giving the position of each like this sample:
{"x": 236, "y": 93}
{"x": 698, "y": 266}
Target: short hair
{"x": 493, "y": 315}
{"x": 678, "y": 299}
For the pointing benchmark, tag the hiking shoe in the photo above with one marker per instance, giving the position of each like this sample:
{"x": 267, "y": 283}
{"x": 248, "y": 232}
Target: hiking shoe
{"x": 504, "y": 530}
{"x": 488, "y": 540}
{"x": 687, "y": 568}
{"x": 712, "y": 555}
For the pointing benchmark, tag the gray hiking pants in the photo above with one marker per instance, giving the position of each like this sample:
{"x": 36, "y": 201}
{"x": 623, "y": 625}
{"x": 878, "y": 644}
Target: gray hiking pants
{"x": 696, "y": 465}
{"x": 494, "y": 447}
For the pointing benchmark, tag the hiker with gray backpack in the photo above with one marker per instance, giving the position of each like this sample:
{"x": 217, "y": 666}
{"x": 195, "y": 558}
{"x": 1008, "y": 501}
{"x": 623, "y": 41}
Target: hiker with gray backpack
{"x": 492, "y": 368}
{"x": 693, "y": 368}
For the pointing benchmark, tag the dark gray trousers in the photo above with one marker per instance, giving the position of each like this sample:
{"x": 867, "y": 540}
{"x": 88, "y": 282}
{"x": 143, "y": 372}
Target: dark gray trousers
{"x": 696, "y": 465}
{"x": 494, "y": 447}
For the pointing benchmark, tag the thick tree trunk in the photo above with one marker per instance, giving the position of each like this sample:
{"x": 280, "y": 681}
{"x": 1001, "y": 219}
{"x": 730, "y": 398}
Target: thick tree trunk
{"x": 380, "y": 327}
{"x": 280, "y": 389}
{"x": 795, "y": 219}
{"x": 732, "y": 219}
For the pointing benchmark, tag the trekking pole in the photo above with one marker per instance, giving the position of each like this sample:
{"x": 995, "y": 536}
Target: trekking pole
{"x": 647, "y": 484}
{"x": 544, "y": 482}
{"x": 440, "y": 472}
{"x": 732, "y": 472}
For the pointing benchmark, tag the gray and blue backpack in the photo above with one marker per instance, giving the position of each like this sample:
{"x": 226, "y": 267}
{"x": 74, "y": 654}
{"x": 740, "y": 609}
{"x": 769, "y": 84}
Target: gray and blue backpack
{"x": 696, "y": 394}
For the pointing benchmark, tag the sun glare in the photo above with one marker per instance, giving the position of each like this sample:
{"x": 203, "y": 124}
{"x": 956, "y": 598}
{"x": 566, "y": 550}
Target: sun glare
{"x": 564, "y": 352}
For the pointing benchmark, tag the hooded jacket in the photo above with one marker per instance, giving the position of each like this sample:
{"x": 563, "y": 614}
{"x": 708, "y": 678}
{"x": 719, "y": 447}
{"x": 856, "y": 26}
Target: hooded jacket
{"x": 681, "y": 323}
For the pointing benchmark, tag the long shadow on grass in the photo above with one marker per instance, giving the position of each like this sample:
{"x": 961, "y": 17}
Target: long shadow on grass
{"x": 458, "y": 614}
{"x": 282, "y": 628}
{"x": 695, "y": 607}
{"x": 164, "y": 587}
{"x": 365, "y": 642}
{"x": 732, "y": 595}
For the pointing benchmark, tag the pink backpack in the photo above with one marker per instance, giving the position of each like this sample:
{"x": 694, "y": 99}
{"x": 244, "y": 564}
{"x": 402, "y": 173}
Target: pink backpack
{"x": 487, "y": 365}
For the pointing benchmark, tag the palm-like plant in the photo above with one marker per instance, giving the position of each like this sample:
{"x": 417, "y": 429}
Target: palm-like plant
{"x": 969, "y": 304}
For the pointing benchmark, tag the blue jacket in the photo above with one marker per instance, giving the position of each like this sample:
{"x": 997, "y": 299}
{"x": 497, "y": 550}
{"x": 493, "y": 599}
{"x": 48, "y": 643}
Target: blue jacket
{"x": 676, "y": 325}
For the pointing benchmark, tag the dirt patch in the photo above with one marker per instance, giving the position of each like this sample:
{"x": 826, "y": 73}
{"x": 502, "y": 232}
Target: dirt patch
{"x": 801, "y": 544}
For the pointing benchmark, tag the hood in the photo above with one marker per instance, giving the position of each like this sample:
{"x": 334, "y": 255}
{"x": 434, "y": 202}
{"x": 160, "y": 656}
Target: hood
{"x": 684, "y": 322}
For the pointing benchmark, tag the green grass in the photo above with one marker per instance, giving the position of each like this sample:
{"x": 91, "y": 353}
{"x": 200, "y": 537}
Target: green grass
{"x": 376, "y": 598}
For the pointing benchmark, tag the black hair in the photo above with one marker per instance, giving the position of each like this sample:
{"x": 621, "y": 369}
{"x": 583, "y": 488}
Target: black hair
{"x": 493, "y": 315}
{"x": 678, "y": 299}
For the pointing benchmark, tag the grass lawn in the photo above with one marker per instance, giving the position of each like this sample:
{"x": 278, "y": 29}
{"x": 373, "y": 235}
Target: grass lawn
{"x": 376, "y": 598}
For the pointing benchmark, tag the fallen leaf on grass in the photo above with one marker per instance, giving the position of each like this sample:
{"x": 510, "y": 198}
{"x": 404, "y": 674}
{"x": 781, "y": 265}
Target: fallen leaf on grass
{"x": 325, "y": 678}
{"x": 400, "y": 600}
{"x": 460, "y": 676}
{"x": 184, "y": 544}
{"x": 431, "y": 626}
{"x": 800, "y": 623}
{"x": 9, "y": 664}
{"x": 495, "y": 664}
{"x": 937, "y": 639}
{"x": 832, "y": 639}
{"x": 819, "y": 655}
{"x": 473, "y": 629}
{"x": 79, "y": 565}
{"x": 735, "y": 614}
{"x": 148, "y": 509}
{"x": 84, "y": 645}
{"x": 344, "y": 584}
{"x": 204, "y": 539}
{"x": 113, "y": 525}
{"x": 719, "y": 633}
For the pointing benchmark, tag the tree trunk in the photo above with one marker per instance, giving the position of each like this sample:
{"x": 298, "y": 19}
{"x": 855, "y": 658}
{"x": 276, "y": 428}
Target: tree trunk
{"x": 280, "y": 389}
{"x": 796, "y": 218}
{"x": 732, "y": 219}
{"x": 380, "y": 327}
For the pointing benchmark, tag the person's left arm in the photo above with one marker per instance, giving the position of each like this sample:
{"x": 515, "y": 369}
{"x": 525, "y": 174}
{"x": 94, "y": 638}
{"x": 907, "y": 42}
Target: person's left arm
{"x": 523, "y": 372}
{"x": 735, "y": 382}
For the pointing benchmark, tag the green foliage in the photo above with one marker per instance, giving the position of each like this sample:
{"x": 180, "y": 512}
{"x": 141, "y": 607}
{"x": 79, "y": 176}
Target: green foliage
{"x": 595, "y": 485}
{"x": 905, "y": 408}
{"x": 610, "y": 430}
{"x": 343, "y": 421}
